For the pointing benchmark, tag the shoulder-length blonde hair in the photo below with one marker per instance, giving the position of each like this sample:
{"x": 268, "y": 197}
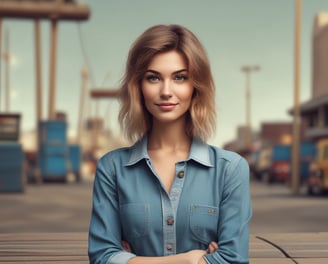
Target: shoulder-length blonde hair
{"x": 135, "y": 120}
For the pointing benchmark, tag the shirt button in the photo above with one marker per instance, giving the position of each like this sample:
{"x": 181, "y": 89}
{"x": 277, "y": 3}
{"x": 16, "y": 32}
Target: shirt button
{"x": 170, "y": 221}
{"x": 169, "y": 247}
{"x": 181, "y": 174}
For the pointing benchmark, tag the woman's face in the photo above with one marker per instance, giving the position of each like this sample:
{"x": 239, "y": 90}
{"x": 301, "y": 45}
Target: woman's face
{"x": 166, "y": 87}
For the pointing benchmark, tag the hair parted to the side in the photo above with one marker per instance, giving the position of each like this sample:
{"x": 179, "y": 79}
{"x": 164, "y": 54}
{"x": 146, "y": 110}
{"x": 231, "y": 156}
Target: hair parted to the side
{"x": 134, "y": 119}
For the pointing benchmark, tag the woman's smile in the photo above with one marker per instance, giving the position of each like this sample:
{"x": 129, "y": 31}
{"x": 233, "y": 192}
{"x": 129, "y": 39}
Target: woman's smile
{"x": 166, "y": 106}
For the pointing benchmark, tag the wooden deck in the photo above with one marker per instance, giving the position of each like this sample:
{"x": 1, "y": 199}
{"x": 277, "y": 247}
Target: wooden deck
{"x": 58, "y": 248}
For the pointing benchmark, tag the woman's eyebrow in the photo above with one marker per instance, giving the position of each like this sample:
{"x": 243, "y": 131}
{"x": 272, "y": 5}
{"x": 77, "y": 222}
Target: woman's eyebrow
{"x": 153, "y": 71}
{"x": 179, "y": 71}
{"x": 158, "y": 73}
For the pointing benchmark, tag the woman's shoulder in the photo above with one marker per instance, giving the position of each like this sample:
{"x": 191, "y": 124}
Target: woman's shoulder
{"x": 224, "y": 154}
{"x": 234, "y": 165}
{"x": 122, "y": 152}
{"x": 228, "y": 158}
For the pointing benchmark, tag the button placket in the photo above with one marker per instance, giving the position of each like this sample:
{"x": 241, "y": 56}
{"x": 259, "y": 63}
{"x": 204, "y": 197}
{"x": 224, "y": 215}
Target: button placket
{"x": 170, "y": 204}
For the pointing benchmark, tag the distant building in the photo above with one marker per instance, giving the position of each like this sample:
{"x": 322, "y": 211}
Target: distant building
{"x": 271, "y": 133}
{"x": 279, "y": 132}
{"x": 276, "y": 133}
{"x": 315, "y": 111}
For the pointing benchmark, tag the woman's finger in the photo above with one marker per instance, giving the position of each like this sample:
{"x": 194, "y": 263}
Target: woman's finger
{"x": 212, "y": 247}
{"x": 126, "y": 246}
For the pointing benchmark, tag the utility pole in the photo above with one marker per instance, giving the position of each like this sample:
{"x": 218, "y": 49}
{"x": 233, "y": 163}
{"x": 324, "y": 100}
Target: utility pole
{"x": 296, "y": 117}
{"x": 38, "y": 73}
{"x": 84, "y": 75}
{"x": 0, "y": 62}
{"x": 7, "y": 72}
{"x": 248, "y": 69}
{"x": 53, "y": 69}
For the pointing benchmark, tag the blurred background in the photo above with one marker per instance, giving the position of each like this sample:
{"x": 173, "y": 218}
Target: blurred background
{"x": 61, "y": 62}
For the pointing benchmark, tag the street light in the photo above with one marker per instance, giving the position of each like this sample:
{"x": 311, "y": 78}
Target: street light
{"x": 247, "y": 69}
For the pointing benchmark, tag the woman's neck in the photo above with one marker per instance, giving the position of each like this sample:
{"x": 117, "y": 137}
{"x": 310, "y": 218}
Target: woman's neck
{"x": 168, "y": 137}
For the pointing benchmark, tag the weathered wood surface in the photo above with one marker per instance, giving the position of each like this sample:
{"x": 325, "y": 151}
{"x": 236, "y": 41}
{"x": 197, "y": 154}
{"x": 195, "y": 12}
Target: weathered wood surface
{"x": 59, "y": 248}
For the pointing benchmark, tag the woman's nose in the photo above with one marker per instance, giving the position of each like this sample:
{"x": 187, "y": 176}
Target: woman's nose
{"x": 166, "y": 90}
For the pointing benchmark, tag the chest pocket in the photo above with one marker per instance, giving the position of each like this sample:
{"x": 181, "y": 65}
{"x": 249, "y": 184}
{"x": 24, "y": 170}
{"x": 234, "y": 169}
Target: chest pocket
{"x": 135, "y": 219}
{"x": 204, "y": 222}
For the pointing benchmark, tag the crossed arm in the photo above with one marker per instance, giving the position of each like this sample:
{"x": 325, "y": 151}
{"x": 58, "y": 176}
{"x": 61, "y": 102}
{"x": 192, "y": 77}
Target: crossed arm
{"x": 191, "y": 257}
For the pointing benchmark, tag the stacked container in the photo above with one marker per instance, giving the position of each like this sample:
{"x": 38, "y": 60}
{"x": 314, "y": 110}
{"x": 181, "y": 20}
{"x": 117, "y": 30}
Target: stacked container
{"x": 75, "y": 160}
{"x": 53, "y": 150}
{"x": 11, "y": 154}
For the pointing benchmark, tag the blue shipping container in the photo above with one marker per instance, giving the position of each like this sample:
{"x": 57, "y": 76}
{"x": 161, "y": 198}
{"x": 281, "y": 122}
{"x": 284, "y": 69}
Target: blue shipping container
{"x": 53, "y": 132}
{"x": 53, "y": 167}
{"x": 75, "y": 157}
{"x": 11, "y": 167}
{"x": 281, "y": 153}
{"x": 307, "y": 153}
{"x": 53, "y": 150}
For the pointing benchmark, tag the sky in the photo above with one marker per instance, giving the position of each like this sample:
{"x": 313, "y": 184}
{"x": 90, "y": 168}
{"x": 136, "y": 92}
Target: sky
{"x": 235, "y": 33}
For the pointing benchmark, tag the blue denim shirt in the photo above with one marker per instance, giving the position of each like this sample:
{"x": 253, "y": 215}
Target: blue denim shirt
{"x": 209, "y": 201}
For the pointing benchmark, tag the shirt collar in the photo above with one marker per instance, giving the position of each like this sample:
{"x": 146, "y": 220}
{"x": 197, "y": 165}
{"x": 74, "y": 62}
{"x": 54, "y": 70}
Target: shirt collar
{"x": 138, "y": 151}
{"x": 199, "y": 152}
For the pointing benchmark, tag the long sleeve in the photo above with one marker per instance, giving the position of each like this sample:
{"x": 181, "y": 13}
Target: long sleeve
{"x": 235, "y": 214}
{"x": 105, "y": 228}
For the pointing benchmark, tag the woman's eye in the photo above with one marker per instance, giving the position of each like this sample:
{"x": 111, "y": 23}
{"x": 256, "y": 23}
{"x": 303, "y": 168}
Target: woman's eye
{"x": 180, "y": 77}
{"x": 152, "y": 78}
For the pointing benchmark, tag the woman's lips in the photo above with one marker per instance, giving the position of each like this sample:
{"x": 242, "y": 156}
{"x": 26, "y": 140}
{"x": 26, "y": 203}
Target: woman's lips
{"x": 166, "y": 106}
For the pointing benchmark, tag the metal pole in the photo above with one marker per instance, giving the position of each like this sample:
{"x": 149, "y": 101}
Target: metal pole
{"x": 0, "y": 60}
{"x": 247, "y": 70}
{"x": 96, "y": 128}
{"x": 296, "y": 119}
{"x": 248, "y": 110}
{"x": 7, "y": 65}
{"x": 38, "y": 84}
{"x": 84, "y": 75}
{"x": 52, "y": 78}
{"x": 38, "y": 75}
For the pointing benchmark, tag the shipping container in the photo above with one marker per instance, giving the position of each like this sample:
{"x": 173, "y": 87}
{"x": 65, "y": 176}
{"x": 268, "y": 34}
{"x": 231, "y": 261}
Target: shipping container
{"x": 11, "y": 167}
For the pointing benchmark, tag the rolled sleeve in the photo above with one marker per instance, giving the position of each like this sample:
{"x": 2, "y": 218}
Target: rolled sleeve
{"x": 121, "y": 257}
{"x": 235, "y": 214}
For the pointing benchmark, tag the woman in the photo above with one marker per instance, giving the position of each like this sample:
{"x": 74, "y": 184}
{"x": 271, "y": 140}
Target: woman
{"x": 170, "y": 197}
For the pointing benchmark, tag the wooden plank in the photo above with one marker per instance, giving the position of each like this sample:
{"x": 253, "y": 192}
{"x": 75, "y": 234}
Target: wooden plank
{"x": 311, "y": 260}
{"x": 42, "y": 258}
{"x": 271, "y": 261}
{"x": 44, "y": 248}
{"x": 262, "y": 249}
{"x": 51, "y": 262}
{"x": 74, "y": 236}
{"x": 301, "y": 245}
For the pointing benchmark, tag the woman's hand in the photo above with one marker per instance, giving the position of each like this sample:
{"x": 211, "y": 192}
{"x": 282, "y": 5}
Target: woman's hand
{"x": 126, "y": 246}
{"x": 196, "y": 256}
{"x": 212, "y": 247}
